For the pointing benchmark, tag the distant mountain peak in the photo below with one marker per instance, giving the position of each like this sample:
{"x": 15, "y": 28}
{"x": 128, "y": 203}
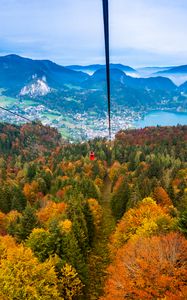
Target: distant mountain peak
{"x": 12, "y": 56}
{"x": 177, "y": 69}
{"x": 115, "y": 74}
{"x": 37, "y": 88}
{"x": 91, "y": 69}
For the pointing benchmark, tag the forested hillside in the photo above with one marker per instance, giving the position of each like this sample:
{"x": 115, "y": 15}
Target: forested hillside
{"x": 112, "y": 228}
{"x": 69, "y": 90}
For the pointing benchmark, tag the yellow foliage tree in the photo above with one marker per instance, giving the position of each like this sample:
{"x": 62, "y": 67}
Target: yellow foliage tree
{"x": 102, "y": 168}
{"x": 12, "y": 216}
{"x": 88, "y": 170}
{"x": 96, "y": 211}
{"x": 23, "y": 277}
{"x": 65, "y": 226}
{"x": 70, "y": 284}
{"x": 146, "y": 219}
{"x": 114, "y": 170}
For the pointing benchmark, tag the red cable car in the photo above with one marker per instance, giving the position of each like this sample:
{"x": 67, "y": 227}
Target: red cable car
{"x": 92, "y": 155}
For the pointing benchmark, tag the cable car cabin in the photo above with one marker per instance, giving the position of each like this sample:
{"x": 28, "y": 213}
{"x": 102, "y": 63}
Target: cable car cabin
{"x": 92, "y": 155}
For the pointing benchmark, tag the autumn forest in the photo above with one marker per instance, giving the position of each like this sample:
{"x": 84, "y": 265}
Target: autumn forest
{"x": 109, "y": 229}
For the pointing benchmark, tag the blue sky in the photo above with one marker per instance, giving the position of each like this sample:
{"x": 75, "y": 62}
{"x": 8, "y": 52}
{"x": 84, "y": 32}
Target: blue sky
{"x": 143, "y": 32}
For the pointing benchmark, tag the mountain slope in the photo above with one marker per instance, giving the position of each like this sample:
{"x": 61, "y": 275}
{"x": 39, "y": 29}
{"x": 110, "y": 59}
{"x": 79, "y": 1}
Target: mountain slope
{"x": 183, "y": 87}
{"x": 148, "y": 71}
{"x": 157, "y": 83}
{"x": 175, "y": 70}
{"x": 17, "y": 72}
{"x": 176, "y": 74}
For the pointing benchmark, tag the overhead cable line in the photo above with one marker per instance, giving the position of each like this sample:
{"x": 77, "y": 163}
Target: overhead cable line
{"x": 107, "y": 58}
{"x": 15, "y": 114}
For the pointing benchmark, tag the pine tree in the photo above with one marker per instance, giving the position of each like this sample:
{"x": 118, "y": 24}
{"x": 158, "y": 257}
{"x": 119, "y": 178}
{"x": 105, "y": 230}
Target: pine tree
{"x": 182, "y": 224}
{"x": 19, "y": 201}
{"x": 89, "y": 222}
{"x": 134, "y": 198}
{"x": 23, "y": 226}
{"x": 120, "y": 199}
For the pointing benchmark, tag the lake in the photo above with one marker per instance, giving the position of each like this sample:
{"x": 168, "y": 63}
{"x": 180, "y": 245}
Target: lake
{"x": 162, "y": 118}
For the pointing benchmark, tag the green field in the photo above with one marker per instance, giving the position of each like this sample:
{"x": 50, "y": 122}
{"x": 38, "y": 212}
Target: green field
{"x": 64, "y": 132}
{"x": 26, "y": 103}
{"x": 51, "y": 116}
{"x": 6, "y": 101}
{"x": 71, "y": 86}
{"x": 64, "y": 123}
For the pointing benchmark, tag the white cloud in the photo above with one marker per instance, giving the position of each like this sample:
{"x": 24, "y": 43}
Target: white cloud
{"x": 71, "y": 31}
{"x": 157, "y": 26}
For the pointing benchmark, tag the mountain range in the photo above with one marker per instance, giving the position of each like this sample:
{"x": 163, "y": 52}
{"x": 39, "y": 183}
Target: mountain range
{"x": 91, "y": 69}
{"x": 176, "y": 74}
{"x": 71, "y": 87}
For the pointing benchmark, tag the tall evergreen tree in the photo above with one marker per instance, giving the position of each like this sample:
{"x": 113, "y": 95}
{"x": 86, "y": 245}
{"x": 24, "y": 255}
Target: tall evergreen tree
{"x": 120, "y": 199}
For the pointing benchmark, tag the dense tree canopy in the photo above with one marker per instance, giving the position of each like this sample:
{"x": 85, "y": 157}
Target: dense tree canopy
{"x": 53, "y": 212}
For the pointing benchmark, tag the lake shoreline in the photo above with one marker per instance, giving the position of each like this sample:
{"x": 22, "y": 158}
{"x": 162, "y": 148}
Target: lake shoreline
{"x": 158, "y": 117}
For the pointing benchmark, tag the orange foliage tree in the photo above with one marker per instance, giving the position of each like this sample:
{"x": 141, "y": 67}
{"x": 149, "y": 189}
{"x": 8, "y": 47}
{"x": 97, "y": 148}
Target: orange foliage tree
{"x": 6, "y": 219}
{"x": 114, "y": 170}
{"x": 161, "y": 197}
{"x": 149, "y": 268}
{"x": 118, "y": 183}
{"x": 50, "y": 211}
{"x": 31, "y": 191}
{"x": 99, "y": 182}
{"x": 2, "y": 223}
